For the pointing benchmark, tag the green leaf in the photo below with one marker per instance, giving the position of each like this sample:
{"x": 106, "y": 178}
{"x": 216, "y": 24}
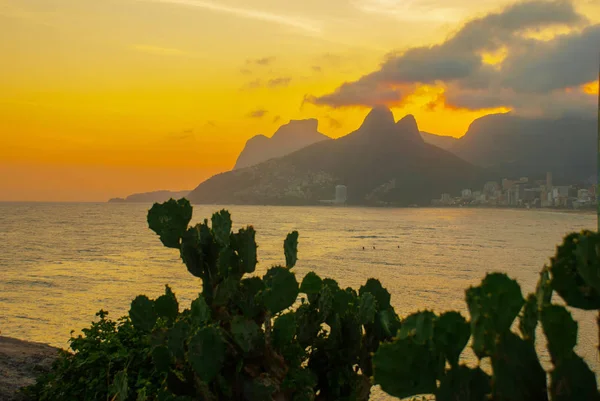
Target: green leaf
{"x": 170, "y": 220}
{"x": 284, "y": 329}
{"x": 343, "y": 301}
{"x": 161, "y": 357}
{"x": 543, "y": 290}
{"x": 226, "y": 291}
{"x": 387, "y": 324}
{"x": 588, "y": 259}
{"x": 177, "y": 336}
{"x": 245, "y": 245}
{"x": 518, "y": 375}
{"x": 120, "y": 388}
{"x": 142, "y": 314}
{"x": 560, "y": 330}
{"x": 281, "y": 289}
{"x": 566, "y": 279}
{"x": 382, "y": 296}
{"x": 529, "y": 318}
{"x": 221, "y": 227}
{"x": 572, "y": 379}
{"x": 207, "y": 353}
{"x": 290, "y": 249}
{"x": 166, "y": 306}
{"x": 367, "y": 308}
{"x": 247, "y": 300}
{"x": 311, "y": 284}
{"x": 404, "y": 369}
{"x": 308, "y": 324}
{"x": 419, "y": 326}
{"x": 260, "y": 388}
{"x": 493, "y": 307}
{"x": 451, "y": 335}
{"x": 325, "y": 302}
{"x": 228, "y": 262}
{"x": 191, "y": 251}
{"x": 246, "y": 333}
{"x": 464, "y": 384}
{"x": 200, "y": 312}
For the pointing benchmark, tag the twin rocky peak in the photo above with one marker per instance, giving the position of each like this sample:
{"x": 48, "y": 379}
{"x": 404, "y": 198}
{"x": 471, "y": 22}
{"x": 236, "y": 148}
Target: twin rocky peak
{"x": 378, "y": 126}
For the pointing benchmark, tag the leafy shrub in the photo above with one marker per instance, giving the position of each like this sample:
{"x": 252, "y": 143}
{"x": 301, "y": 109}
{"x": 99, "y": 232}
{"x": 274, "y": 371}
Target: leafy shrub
{"x": 273, "y": 338}
{"x": 244, "y": 337}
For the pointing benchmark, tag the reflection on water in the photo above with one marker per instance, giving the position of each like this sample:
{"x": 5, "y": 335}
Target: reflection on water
{"x": 61, "y": 263}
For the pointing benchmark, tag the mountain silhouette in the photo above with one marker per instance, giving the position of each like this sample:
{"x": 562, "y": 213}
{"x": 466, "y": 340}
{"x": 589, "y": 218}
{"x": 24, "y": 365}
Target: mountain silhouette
{"x": 441, "y": 141}
{"x": 290, "y": 137}
{"x": 154, "y": 196}
{"x": 516, "y": 146}
{"x": 382, "y": 162}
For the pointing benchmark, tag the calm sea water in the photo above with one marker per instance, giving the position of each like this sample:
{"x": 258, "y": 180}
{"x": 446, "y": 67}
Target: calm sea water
{"x": 61, "y": 263}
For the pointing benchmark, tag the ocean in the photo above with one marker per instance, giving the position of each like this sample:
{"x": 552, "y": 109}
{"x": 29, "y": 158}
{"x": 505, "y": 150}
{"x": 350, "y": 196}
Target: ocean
{"x": 60, "y": 263}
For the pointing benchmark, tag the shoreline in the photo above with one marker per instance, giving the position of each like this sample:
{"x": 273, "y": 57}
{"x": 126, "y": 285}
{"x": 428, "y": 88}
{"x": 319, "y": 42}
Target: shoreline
{"x": 21, "y": 363}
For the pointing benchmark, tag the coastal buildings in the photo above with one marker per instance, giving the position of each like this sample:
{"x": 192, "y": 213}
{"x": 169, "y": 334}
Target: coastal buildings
{"x": 341, "y": 196}
{"x": 524, "y": 192}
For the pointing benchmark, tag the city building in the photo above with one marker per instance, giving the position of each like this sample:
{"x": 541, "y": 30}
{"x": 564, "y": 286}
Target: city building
{"x": 341, "y": 194}
{"x": 525, "y": 192}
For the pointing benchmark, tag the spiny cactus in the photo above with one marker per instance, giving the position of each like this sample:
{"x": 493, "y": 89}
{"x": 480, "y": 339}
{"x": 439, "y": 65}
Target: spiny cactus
{"x": 275, "y": 337}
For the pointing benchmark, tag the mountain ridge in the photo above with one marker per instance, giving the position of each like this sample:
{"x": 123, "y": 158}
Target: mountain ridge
{"x": 288, "y": 138}
{"x": 382, "y": 162}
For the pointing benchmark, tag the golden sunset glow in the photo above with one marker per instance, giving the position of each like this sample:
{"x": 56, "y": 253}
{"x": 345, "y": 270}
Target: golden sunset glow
{"x": 494, "y": 58}
{"x": 100, "y": 99}
{"x": 591, "y": 88}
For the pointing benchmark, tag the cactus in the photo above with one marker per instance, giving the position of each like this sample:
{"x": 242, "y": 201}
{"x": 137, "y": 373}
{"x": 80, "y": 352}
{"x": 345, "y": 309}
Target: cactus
{"x": 142, "y": 313}
{"x": 269, "y": 338}
{"x": 207, "y": 353}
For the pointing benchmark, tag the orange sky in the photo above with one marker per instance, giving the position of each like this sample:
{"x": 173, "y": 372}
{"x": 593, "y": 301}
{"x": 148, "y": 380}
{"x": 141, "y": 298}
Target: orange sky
{"x": 100, "y": 99}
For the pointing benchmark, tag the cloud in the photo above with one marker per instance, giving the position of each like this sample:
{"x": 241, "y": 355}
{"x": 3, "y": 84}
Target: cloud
{"x": 257, "y": 83}
{"x": 184, "y": 135}
{"x": 246, "y": 71}
{"x": 160, "y": 51}
{"x": 276, "y": 119}
{"x": 366, "y": 91}
{"x": 302, "y": 25}
{"x": 316, "y": 68}
{"x": 279, "y": 82}
{"x": 259, "y": 113}
{"x": 409, "y": 10}
{"x": 264, "y": 61}
{"x": 531, "y": 67}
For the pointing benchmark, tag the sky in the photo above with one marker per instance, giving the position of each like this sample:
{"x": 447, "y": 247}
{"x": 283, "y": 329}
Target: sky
{"x": 104, "y": 98}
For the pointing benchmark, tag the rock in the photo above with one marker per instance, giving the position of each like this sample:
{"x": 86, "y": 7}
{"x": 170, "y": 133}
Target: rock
{"x": 21, "y": 362}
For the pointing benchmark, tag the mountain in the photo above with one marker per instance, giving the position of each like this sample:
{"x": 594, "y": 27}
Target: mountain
{"x": 382, "y": 162}
{"x": 441, "y": 141}
{"x": 517, "y": 146}
{"x": 156, "y": 196}
{"x": 290, "y": 137}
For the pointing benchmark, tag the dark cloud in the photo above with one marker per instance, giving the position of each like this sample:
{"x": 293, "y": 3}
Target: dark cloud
{"x": 568, "y": 61}
{"x": 316, "y": 68}
{"x": 261, "y": 61}
{"x": 279, "y": 82}
{"x": 531, "y": 66}
{"x": 259, "y": 113}
{"x": 366, "y": 91}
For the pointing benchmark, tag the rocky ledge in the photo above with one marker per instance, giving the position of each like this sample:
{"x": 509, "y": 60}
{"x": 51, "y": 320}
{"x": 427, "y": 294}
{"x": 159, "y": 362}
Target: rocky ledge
{"x": 20, "y": 363}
